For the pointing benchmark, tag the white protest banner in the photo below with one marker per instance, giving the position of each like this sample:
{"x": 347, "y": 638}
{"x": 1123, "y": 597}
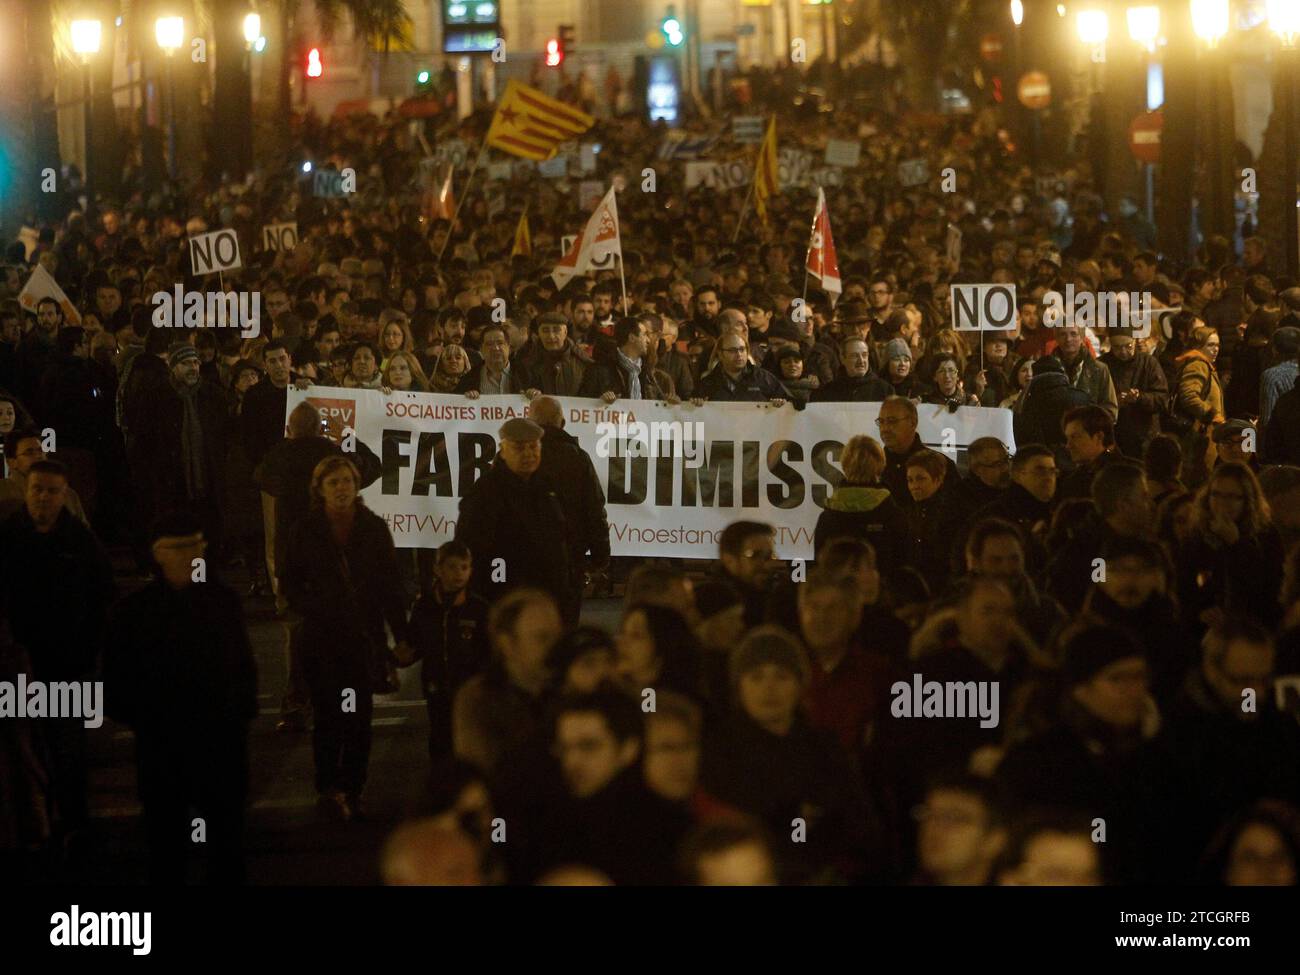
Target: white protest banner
{"x": 328, "y": 183}
{"x": 826, "y": 176}
{"x": 42, "y": 285}
{"x": 674, "y": 476}
{"x": 913, "y": 172}
{"x": 699, "y": 173}
{"x": 792, "y": 167}
{"x": 280, "y": 236}
{"x": 983, "y": 307}
{"x": 451, "y": 152}
{"x": 747, "y": 129}
{"x": 952, "y": 244}
{"x": 589, "y": 193}
{"x": 216, "y": 251}
{"x": 731, "y": 175}
{"x": 554, "y": 168}
{"x": 843, "y": 152}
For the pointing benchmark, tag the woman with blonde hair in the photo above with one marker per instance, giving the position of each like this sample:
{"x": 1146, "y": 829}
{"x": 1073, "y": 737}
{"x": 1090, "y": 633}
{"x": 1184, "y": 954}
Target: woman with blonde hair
{"x": 1233, "y": 561}
{"x": 403, "y": 373}
{"x": 449, "y": 369}
{"x": 860, "y": 507}
{"x": 341, "y": 576}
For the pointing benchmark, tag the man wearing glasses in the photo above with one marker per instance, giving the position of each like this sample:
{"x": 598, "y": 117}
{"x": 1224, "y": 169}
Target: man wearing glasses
{"x": 897, "y": 423}
{"x": 989, "y": 475}
{"x": 737, "y": 380}
{"x": 746, "y": 562}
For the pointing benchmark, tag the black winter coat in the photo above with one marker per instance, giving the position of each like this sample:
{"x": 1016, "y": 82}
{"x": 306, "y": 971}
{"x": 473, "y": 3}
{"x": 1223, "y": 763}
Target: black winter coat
{"x": 570, "y": 469}
{"x": 1138, "y": 421}
{"x": 523, "y": 523}
{"x": 753, "y": 385}
{"x": 1048, "y": 398}
{"x": 154, "y": 688}
{"x": 345, "y": 596}
{"x": 157, "y": 465}
{"x": 56, "y": 589}
{"x": 869, "y": 388}
{"x": 450, "y": 634}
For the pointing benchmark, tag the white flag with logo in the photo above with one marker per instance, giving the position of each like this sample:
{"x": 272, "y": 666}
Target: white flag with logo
{"x": 42, "y": 285}
{"x": 592, "y": 249}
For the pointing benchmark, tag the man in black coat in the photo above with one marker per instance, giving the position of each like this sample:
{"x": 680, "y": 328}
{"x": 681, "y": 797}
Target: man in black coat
{"x": 56, "y": 584}
{"x": 1142, "y": 390}
{"x": 567, "y": 466}
{"x": 179, "y": 670}
{"x": 735, "y": 380}
{"x": 513, "y": 520}
{"x": 898, "y": 422}
{"x": 619, "y": 370}
{"x": 178, "y": 457}
{"x": 1282, "y": 436}
{"x": 857, "y": 383}
{"x": 1047, "y": 399}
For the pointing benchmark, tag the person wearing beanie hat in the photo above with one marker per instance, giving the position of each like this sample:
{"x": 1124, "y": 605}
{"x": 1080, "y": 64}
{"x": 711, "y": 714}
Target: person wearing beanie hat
{"x": 190, "y": 711}
{"x": 1098, "y": 755}
{"x": 898, "y": 369}
{"x": 768, "y": 761}
{"x": 1135, "y": 593}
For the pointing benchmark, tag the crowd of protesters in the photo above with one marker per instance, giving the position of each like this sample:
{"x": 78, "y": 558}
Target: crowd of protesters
{"x": 1126, "y": 575}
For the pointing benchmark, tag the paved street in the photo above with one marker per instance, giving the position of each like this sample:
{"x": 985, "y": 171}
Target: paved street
{"x": 288, "y": 842}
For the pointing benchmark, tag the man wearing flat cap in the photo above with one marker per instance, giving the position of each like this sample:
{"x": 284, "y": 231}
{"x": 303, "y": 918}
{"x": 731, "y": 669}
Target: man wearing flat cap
{"x": 180, "y": 445}
{"x": 514, "y": 522}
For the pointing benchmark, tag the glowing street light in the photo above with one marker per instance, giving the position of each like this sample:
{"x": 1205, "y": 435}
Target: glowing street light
{"x": 1017, "y": 12}
{"x": 252, "y": 29}
{"x": 85, "y": 37}
{"x": 1093, "y": 26}
{"x": 1210, "y": 20}
{"x": 1284, "y": 20}
{"x": 170, "y": 32}
{"x": 1144, "y": 25}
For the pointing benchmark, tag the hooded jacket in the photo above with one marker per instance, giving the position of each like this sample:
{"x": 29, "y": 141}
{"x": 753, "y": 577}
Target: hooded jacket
{"x": 1199, "y": 394}
{"x": 868, "y": 512}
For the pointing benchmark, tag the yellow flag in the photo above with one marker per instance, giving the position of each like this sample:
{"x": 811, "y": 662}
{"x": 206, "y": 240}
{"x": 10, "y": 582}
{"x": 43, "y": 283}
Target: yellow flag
{"x": 523, "y": 239}
{"x": 766, "y": 180}
{"x": 532, "y": 125}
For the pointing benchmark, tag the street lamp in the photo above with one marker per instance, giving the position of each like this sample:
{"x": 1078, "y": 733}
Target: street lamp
{"x": 86, "y": 35}
{"x": 1144, "y": 26}
{"x": 1284, "y": 20}
{"x": 170, "y": 33}
{"x": 1093, "y": 26}
{"x": 1210, "y": 20}
{"x": 1017, "y": 12}
{"x": 252, "y": 29}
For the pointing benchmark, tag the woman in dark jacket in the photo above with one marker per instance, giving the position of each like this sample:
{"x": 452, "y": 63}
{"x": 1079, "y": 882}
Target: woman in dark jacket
{"x": 861, "y": 508}
{"x": 341, "y": 577}
{"x": 1233, "y": 561}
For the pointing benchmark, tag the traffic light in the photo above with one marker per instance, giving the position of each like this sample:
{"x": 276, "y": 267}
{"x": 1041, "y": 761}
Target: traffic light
{"x": 554, "y": 53}
{"x": 672, "y": 28}
{"x": 423, "y": 81}
{"x": 314, "y": 69}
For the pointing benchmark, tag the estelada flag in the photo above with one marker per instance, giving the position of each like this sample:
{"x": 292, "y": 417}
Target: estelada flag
{"x": 41, "y": 285}
{"x": 822, "y": 263}
{"x": 766, "y": 178}
{"x": 594, "y": 246}
{"x": 441, "y": 205}
{"x": 532, "y": 125}
{"x": 523, "y": 239}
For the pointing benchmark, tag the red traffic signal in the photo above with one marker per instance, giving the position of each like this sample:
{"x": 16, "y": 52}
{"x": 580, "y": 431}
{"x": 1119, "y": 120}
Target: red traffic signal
{"x": 554, "y": 53}
{"x": 314, "y": 68}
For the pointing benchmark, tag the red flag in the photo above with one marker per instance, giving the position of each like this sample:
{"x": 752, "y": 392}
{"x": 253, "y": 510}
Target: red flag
{"x": 822, "y": 263}
{"x": 597, "y": 247}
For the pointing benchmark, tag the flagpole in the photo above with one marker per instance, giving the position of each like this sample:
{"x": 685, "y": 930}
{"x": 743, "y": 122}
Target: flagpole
{"x": 483, "y": 147}
{"x": 745, "y": 209}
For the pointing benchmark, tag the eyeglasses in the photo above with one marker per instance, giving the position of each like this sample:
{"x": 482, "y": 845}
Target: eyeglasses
{"x": 758, "y": 554}
{"x": 734, "y": 348}
{"x": 889, "y": 421}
